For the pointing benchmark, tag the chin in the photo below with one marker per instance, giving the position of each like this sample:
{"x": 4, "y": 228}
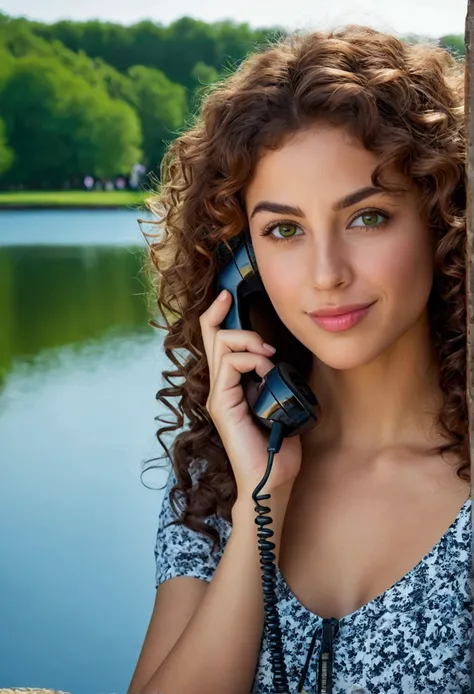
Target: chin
{"x": 349, "y": 354}
{"x": 345, "y": 361}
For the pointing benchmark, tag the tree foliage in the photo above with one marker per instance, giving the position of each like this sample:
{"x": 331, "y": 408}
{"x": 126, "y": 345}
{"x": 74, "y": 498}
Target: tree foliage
{"x": 96, "y": 97}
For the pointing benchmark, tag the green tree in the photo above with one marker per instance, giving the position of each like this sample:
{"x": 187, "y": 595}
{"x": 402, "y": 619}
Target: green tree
{"x": 203, "y": 75}
{"x": 161, "y": 107}
{"x": 7, "y": 154}
{"x": 60, "y": 127}
{"x": 110, "y": 136}
{"x": 454, "y": 43}
{"x": 88, "y": 97}
{"x": 235, "y": 41}
{"x": 6, "y": 66}
{"x": 174, "y": 49}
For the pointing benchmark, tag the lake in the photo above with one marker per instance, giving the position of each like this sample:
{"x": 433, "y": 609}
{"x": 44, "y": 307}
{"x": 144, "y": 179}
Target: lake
{"x": 79, "y": 370}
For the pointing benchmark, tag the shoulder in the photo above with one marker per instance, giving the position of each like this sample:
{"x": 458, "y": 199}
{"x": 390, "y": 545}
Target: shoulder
{"x": 181, "y": 551}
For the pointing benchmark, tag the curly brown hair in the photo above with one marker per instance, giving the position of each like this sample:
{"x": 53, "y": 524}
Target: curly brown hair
{"x": 403, "y": 102}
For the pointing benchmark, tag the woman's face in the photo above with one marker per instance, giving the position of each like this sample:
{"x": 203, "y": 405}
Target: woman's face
{"x": 331, "y": 254}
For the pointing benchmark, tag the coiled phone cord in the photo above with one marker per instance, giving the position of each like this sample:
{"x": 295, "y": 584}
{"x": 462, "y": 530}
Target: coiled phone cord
{"x": 268, "y": 566}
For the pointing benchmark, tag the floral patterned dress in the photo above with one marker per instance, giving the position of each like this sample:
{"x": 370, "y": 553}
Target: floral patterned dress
{"x": 412, "y": 639}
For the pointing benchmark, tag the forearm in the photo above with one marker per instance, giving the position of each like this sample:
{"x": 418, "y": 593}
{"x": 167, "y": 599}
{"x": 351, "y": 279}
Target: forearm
{"x": 218, "y": 651}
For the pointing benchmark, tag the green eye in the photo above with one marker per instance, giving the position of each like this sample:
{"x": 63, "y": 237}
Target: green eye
{"x": 286, "y": 230}
{"x": 370, "y": 219}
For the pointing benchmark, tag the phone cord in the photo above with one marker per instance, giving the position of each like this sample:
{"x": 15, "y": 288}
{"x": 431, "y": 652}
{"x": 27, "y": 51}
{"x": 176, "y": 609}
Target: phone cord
{"x": 268, "y": 567}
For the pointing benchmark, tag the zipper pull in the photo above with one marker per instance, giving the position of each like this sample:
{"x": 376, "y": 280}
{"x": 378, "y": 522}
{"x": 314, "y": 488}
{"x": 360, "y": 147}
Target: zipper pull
{"x": 325, "y": 663}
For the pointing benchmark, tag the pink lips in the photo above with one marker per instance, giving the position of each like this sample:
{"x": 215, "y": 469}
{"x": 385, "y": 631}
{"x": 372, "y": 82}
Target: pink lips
{"x": 342, "y": 318}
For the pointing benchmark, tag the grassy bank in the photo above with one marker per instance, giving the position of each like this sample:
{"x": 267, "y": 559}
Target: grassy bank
{"x": 71, "y": 198}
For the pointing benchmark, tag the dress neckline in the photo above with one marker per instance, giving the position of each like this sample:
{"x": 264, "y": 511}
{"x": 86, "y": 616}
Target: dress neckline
{"x": 384, "y": 598}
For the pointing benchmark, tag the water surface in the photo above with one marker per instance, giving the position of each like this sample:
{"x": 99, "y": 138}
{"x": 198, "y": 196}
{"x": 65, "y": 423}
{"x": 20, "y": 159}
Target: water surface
{"x": 79, "y": 369}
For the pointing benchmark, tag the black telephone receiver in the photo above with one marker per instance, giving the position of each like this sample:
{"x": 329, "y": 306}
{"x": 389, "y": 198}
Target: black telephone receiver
{"x": 283, "y": 395}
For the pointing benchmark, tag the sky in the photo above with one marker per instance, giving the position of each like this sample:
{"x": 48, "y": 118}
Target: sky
{"x": 426, "y": 17}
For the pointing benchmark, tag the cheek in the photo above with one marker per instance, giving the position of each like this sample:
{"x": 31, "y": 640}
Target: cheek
{"x": 283, "y": 284}
{"x": 402, "y": 269}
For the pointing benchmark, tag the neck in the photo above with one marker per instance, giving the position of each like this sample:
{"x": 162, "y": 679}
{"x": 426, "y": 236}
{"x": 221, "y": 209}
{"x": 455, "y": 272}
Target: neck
{"x": 391, "y": 401}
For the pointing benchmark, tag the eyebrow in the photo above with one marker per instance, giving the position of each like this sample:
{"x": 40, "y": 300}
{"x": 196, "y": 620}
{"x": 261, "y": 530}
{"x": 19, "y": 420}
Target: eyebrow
{"x": 346, "y": 201}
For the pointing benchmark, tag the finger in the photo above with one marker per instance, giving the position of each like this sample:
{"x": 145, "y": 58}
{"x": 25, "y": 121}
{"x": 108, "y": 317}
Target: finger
{"x": 231, "y": 368}
{"x": 226, "y": 341}
{"x": 210, "y": 322}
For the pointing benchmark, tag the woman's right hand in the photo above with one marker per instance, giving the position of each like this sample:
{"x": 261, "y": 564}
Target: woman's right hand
{"x": 230, "y": 353}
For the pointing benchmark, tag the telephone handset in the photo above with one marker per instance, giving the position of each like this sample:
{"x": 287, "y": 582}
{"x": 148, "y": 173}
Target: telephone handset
{"x": 282, "y": 401}
{"x": 283, "y": 395}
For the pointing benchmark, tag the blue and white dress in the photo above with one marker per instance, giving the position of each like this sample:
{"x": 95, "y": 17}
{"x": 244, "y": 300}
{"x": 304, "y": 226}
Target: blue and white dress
{"x": 414, "y": 638}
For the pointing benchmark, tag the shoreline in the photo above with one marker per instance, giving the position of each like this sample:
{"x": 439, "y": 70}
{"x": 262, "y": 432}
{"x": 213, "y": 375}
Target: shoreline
{"x": 53, "y": 206}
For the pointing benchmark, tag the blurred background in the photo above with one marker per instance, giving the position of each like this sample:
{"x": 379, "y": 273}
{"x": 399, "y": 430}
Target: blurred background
{"x": 89, "y": 100}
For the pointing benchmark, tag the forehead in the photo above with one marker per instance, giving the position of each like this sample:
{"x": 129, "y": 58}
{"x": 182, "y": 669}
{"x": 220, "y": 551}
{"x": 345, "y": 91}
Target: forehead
{"x": 322, "y": 160}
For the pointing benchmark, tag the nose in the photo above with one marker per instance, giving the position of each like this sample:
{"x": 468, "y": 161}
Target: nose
{"x": 329, "y": 264}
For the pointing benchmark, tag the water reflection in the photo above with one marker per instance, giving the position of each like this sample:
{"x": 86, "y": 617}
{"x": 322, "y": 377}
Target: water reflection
{"x": 53, "y": 296}
{"x": 79, "y": 369}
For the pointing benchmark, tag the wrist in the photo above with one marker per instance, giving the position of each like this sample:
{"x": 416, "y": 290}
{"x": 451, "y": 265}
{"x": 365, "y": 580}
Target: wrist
{"x": 244, "y": 513}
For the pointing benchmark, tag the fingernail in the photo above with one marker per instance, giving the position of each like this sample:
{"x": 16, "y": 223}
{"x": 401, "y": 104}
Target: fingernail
{"x": 223, "y": 295}
{"x": 269, "y": 348}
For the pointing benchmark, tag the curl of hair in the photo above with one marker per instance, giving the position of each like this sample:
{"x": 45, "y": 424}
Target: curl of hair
{"x": 404, "y": 103}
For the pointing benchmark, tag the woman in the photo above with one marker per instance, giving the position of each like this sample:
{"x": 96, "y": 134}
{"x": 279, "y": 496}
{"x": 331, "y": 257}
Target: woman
{"x": 341, "y": 155}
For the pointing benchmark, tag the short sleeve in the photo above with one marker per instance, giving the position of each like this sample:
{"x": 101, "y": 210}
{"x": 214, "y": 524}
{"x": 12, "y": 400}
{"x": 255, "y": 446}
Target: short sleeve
{"x": 180, "y": 551}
